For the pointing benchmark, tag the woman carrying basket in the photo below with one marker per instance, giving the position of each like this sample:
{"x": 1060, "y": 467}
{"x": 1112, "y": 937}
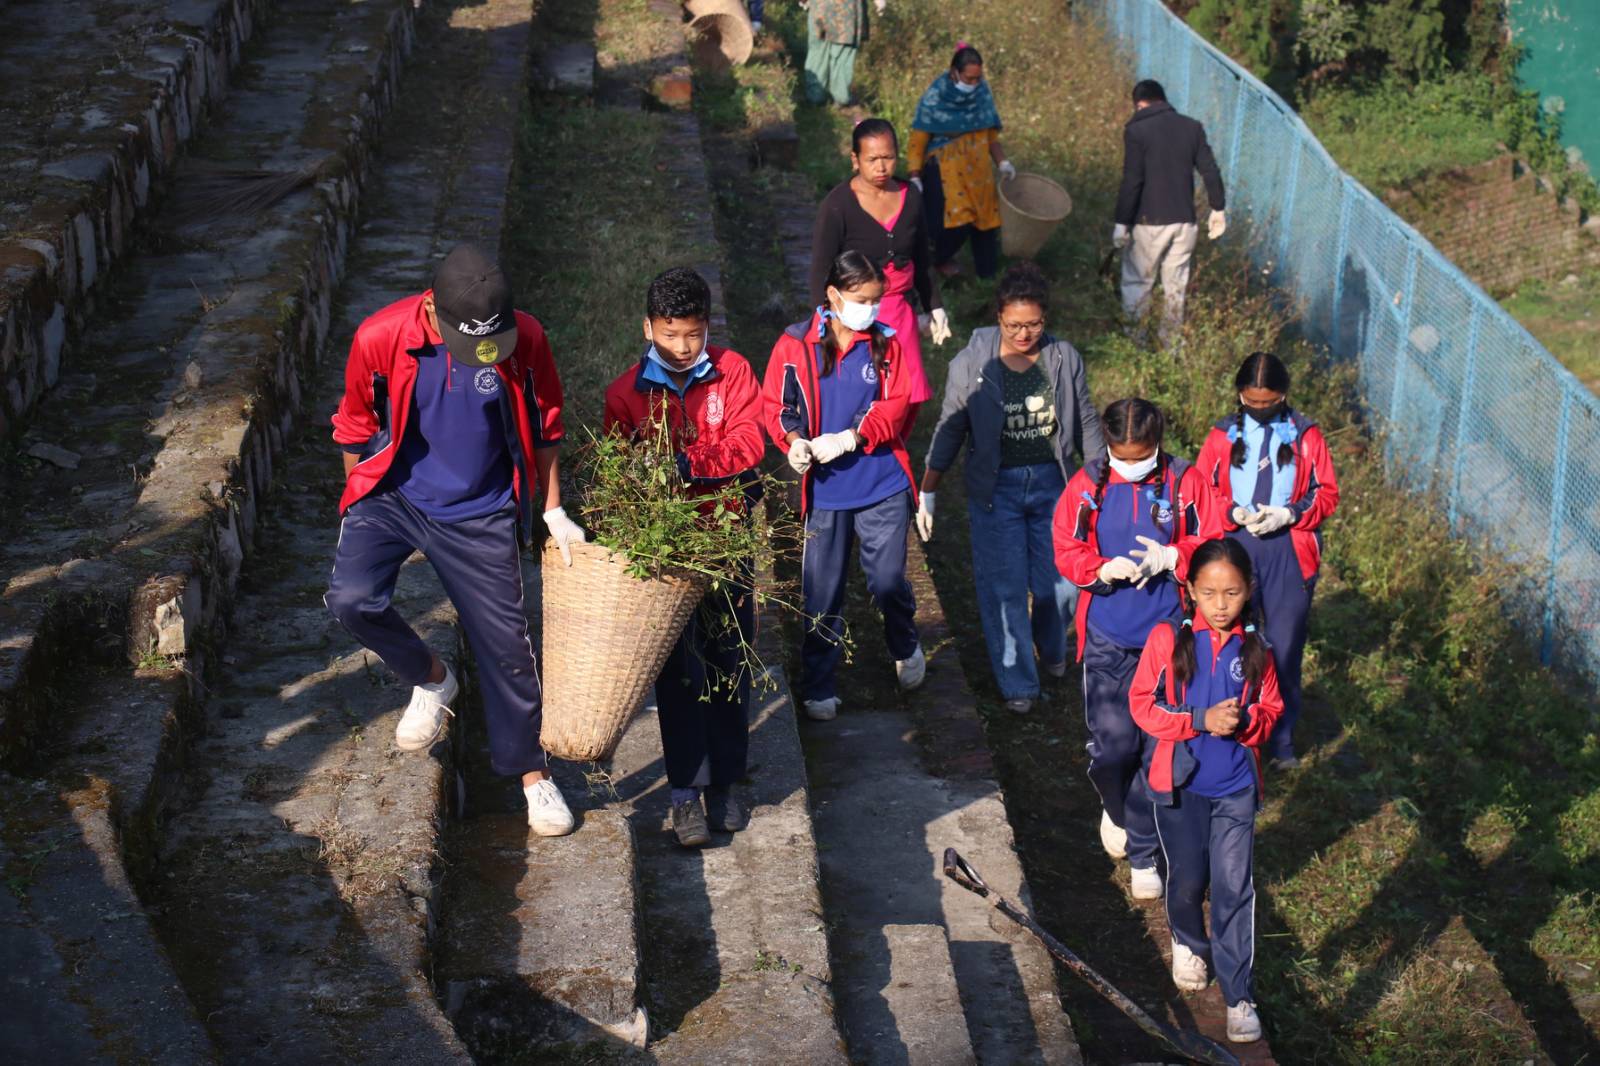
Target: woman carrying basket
{"x": 954, "y": 140}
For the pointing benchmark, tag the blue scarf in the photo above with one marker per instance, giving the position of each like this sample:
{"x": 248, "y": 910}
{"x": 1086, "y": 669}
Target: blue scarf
{"x": 946, "y": 112}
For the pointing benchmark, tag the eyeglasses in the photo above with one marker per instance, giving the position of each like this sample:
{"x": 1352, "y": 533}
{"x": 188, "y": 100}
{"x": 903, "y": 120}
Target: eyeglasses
{"x": 1012, "y": 329}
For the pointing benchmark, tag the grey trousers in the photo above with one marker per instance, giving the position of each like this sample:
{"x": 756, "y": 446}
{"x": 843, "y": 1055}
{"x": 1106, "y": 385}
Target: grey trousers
{"x": 1169, "y": 250}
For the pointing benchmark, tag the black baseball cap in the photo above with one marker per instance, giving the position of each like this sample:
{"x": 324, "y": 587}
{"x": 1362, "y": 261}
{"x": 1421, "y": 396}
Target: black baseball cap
{"x": 477, "y": 317}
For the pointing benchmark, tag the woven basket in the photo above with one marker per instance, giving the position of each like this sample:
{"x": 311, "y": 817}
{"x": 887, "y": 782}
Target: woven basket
{"x": 720, "y": 32}
{"x": 606, "y": 635}
{"x": 1031, "y": 207}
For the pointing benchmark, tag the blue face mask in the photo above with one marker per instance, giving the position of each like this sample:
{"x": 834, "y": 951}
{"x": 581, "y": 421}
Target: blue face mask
{"x": 963, "y": 87}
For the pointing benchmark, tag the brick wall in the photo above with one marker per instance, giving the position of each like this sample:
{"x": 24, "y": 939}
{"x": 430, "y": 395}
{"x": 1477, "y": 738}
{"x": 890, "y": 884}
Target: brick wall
{"x": 1501, "y": 224}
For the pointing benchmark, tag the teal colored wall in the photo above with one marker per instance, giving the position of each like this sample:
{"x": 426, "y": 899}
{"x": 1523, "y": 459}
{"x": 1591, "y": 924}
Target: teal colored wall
{"x": 1562, "y": 41}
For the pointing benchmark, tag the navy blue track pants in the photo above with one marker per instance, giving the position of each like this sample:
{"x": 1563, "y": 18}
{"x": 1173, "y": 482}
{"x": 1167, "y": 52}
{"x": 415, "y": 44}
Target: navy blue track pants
{"x": 1117, "y": 747}
{"x": 703, "y": 694}
{"x": 1283, "y": 599}
{"x": 824, "y": 571}
{"x": 1210, "y": 843}
{"x": 480, "y": 566}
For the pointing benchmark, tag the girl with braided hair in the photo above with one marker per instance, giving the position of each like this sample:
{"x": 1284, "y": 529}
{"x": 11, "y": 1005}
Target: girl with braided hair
{"x": 1206, "y": 694}
{"x": 1123, "y": 532}
{"x": 1269, "y": 468}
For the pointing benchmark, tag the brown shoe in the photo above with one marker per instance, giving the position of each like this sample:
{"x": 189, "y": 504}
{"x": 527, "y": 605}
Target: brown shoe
{"x": 689, "y": 824}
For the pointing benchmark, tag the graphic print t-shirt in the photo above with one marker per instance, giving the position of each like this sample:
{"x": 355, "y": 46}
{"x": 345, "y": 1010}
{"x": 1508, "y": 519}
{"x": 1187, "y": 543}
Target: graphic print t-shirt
{"x": 1030, "y": 418}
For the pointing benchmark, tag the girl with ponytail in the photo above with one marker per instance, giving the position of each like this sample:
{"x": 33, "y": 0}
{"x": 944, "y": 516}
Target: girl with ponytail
{"x": 1123, "y": 532}
{"x": 1269, "y": 468}
{"x": 1206, "y": 693}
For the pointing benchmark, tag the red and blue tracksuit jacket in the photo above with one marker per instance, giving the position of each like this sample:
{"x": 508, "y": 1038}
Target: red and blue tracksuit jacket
{"x": 790, "y": 398}
{"x": 1158, "y": 707}
{"x": 715, "y": 424}
{"x": 1315, "y": 493}
{"x": 382, "y": 371}
{"x": 1077, "y": 544}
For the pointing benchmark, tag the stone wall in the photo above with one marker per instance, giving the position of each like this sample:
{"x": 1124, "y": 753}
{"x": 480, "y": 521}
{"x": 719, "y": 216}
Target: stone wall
{"x": 1502, "y": 224}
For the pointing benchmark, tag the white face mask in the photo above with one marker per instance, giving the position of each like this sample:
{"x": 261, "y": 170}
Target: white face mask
{"x": 655, "y": 354}
{"x": 857, "y": 316}
{"x": 1136, "y": 471}
{"x": 963, "y": 87}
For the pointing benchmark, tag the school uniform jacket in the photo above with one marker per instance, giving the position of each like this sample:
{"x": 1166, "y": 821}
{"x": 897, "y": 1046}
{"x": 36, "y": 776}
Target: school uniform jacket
{"x": 790, "y": 398}
{"x": 382, "y": 371}
{"x": 715, "y": 424}
{"x": 1312, "y": 500}
{"x": 1077, "y": 544}
{"x": 1158, "y": 708}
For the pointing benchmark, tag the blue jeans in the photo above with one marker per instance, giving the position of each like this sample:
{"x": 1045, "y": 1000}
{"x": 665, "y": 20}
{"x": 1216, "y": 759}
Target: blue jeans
{"x": 1012, "y": 559}
{"x": 756, "y": 7}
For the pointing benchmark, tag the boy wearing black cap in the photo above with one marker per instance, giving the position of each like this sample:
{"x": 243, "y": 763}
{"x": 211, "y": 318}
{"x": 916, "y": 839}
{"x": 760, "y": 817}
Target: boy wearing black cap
{"x": 450, "y": 424}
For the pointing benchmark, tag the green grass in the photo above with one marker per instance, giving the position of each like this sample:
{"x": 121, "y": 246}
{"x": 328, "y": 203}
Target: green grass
{"x": 1566, "y": 319}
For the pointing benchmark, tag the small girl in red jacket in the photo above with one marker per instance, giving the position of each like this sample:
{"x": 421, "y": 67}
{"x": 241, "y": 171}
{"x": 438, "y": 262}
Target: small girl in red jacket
{"x": 1270, "y": 468}
{"x": 1207, "y": 691}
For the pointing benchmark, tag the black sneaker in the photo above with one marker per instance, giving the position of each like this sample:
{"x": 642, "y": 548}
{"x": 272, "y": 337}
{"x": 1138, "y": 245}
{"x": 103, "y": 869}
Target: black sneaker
{"x": 724, "y": 811}
{"x": 689, "y": 823}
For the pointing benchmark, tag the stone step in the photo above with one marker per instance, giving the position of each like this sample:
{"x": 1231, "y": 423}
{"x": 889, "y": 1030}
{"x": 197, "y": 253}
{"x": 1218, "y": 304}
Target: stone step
{"x": 321, "y": 837}
{"x": 160, "y": 443}
{"x": 101, "y": 98}
{"x": 924, "y": 1025}
{"x": 539, "y": 945}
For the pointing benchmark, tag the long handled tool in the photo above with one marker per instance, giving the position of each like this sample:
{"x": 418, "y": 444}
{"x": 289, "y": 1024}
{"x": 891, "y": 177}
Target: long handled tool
{"x": 1193, "y": 1045}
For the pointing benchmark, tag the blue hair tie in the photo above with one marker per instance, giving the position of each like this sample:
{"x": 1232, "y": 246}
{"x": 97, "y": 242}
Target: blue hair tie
{"x": 1092, "y": 505}
{"x": 1188, "y": 623}
{"x": 1249, "y": 629}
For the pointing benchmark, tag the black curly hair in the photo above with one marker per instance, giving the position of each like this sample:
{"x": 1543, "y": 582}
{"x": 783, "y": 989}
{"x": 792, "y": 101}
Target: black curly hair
{"x": 678, "y": 293}
{"x": 1022, "y": 283}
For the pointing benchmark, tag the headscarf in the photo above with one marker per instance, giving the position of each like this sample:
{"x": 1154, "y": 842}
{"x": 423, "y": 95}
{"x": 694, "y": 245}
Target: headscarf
{"x": 946, "y": 112}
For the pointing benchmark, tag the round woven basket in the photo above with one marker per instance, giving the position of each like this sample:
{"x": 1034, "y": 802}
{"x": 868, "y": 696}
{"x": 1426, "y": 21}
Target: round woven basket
{"x": 606, "y": 635}
{"x": 1031, "y": 207}
{"x": 720, "y": 33}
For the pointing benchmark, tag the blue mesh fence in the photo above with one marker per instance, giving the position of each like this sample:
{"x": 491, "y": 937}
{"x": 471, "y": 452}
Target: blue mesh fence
{"x": 1480, "y": 418}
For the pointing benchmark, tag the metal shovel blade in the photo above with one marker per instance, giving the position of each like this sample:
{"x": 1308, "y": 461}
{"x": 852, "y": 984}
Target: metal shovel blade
{"x": 1191, "y": 1044}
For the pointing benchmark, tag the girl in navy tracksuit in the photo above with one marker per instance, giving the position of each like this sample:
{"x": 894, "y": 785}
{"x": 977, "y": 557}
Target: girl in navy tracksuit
{"x": 1124, "y": 530}
{"x": 1206, "y": 692}
{"x": 836, "y": 397}
{"x": 1274, "y": 481}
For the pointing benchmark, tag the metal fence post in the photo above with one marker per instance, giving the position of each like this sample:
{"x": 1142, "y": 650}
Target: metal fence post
{"x": 1238, "y": 127}
{"x": 1558, "y": 507}
{"x": 1340, "y": 251}
{"x": 1288, "y": 202}
{"x": 1402, "y": 352}
{"x": 1469, "y": 386}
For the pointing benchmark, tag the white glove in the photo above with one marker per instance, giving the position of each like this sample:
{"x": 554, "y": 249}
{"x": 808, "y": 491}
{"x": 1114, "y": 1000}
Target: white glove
{"x": 800, "y": 456}
{"x": 1242, "y": 516}
{"x": 1008, "y": 169}
{"x": 940, "y": 326}
{"x": 1216, "y": 225}
{"x": 917, "y": 181}
{"x": 881, "y": 5}
{"x": 564, "y": 531}
{"x": 829, "y": 446}
{"x": 1119, "y": 569}
{"x": 1120, "y": 236}
{"x": 1155, "y": 560}
{"x": 1270, "y": 520}
{"x": 925, "y": 516}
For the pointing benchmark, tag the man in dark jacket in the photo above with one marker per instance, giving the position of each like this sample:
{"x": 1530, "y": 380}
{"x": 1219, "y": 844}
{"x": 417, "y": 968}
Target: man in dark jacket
{"x": 1155, "y": 219}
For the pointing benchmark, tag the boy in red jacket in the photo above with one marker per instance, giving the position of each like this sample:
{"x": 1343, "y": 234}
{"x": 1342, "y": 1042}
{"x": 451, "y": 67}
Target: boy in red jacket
{"x": 450, "y": 422}
{"x": 712, "y": 404}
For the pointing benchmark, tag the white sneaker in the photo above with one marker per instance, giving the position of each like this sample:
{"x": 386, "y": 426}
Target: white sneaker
{"x": 1056, "y": 669}
{"x": 1244, "y": 1024}
{"x": 1113, "y": 837}
{"x": 548, "y": 813}
{"x": 1146, "y": 883}
{"x": 424, "y": 719}
{"x": 823, "y": 710}
{"x": 1190, "y": 974}
{"x": 911, "y": 671}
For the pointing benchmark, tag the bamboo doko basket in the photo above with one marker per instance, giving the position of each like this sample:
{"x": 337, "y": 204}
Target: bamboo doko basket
{"x": 606, "y": 635}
